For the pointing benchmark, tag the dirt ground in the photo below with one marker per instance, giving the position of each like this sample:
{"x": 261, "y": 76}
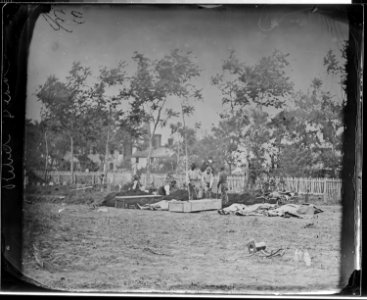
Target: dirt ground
{"x": 75, "y": 248}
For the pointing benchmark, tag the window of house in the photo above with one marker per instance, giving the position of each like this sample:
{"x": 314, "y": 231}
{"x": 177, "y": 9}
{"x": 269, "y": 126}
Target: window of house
{"x": 137, "y": 160}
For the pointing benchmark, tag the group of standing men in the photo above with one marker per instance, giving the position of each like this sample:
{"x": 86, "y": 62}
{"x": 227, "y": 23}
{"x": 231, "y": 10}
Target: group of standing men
{"x": 201, "y": 180}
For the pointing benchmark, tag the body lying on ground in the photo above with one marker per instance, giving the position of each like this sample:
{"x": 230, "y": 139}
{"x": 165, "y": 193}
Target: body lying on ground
{"x": 247, "y": 210}
{"x": 161, "y": 205}
{"x": 294, "y": 210}
{"x": 271, "y": 210}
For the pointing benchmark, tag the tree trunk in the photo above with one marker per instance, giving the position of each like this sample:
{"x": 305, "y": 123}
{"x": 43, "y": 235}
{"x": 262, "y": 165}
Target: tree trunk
{"x": 107, "y": 149}
{"x": 147, "y": 179}
{"x": 178, "y": 159}
{"x": 186, "y": 154}
{"x": 105, "y": 169}
{"x": 72, "y": 159}
{"x": 150, "y": 150}
{"x": 46, "y": 159}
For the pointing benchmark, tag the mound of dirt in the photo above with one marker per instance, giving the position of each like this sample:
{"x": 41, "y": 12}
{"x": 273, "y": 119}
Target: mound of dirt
{"x": 65, "y": 194}
{"x": 181, "y": 194}
{"x": 88, "y": 196}
{"x": 247, "y": 198}
{"x": 109, "y": 200}
{"x": 47, "y": 189}
{"x": 131, "y": 193}
{"x": 177, "y": 195}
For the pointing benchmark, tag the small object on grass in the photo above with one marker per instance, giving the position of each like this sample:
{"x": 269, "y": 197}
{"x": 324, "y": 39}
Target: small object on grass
{"x": 260, "y": 246}
{"x": 307, "y": 258}
{"x": 259, "y": 250}
{"x": 273, "y": 253}
{"x": 102, "y": 209}
{"x": 308, "y": 225}
{"x": 298, "y": 255}
{"x": 253, "y": 247}
{"x": 154, "y": 252}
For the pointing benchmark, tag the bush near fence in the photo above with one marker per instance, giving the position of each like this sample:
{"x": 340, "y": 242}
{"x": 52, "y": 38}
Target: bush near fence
{"x": 327, "y": 188}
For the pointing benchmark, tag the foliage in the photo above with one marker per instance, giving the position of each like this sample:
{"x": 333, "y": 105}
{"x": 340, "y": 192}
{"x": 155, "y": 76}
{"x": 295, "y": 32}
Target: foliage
{"x": 230, "y": 133}
{"x": 264, "y": 83}
{"x": 245, "y": 90}
{"x": 332, "y": 64}
{"x": 155, "y": 81}
{"x": 256, "y": 128}
{"x": 34, "y": 146}
{"x": 65, "y": 107}
{"x": 309, "y": 136}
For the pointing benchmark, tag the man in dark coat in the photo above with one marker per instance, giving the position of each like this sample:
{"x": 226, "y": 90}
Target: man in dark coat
{"x": 223, "y": 184}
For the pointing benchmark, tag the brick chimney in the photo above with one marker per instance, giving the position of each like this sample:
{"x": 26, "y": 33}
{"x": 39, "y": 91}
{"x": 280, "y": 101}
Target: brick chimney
{"x": 157, "y": 139}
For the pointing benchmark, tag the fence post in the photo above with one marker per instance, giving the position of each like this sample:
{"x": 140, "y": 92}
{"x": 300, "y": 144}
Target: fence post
{"x": 325, "y": 190}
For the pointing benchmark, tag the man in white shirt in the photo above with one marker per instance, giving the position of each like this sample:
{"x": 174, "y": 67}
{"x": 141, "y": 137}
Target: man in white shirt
{"x": 207, "y": 180}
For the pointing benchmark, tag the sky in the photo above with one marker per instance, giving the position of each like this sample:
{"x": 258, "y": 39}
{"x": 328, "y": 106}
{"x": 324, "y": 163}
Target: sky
{"x": 111, "y": 33}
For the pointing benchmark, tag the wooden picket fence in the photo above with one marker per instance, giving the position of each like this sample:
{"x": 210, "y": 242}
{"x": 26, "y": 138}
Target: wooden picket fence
{"x": 327, "y": 188}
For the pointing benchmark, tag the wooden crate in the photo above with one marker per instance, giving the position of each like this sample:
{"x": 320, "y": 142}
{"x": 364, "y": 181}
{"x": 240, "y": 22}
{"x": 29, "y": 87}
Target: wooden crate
{"x": 179, "y": 206}
{"x": 195, "y": 205}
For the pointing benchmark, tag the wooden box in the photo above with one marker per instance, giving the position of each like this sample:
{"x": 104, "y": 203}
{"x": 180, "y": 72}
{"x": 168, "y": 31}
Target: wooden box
{"x": 195, "y": 205}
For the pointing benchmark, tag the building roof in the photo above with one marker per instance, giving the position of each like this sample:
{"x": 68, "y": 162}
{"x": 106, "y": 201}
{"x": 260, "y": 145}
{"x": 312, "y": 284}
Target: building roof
{"x": 67, "y": 157}
{"x": 95, "y": 158}
{"x": 161, "y": 152}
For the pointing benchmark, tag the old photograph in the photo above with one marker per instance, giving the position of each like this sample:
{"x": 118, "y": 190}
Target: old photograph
{"x": 185, "y": 149}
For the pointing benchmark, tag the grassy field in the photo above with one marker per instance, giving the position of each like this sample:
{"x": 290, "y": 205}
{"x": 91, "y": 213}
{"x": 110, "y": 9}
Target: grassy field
{"x": 75, "y": 248}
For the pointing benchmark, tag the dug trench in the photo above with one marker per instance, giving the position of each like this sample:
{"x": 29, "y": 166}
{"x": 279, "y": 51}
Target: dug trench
{"x": 93, "y": 196}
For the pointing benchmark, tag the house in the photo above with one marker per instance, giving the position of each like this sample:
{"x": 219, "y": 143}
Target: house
{"x": 96, "y": 159}
{"x": 67, "y": 159}
{"x": 114, "y": 160}
{"x": 139, "y": 159}
{"x": 159, "y": 155}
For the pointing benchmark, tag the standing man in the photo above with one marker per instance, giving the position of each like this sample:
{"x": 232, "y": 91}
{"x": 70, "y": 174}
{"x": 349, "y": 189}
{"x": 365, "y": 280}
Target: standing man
{"x": 194, "y": 182}
{"x": 207, "y": 180}
{"x": 223, "y": 184}
{"x": 208, "y": 163}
